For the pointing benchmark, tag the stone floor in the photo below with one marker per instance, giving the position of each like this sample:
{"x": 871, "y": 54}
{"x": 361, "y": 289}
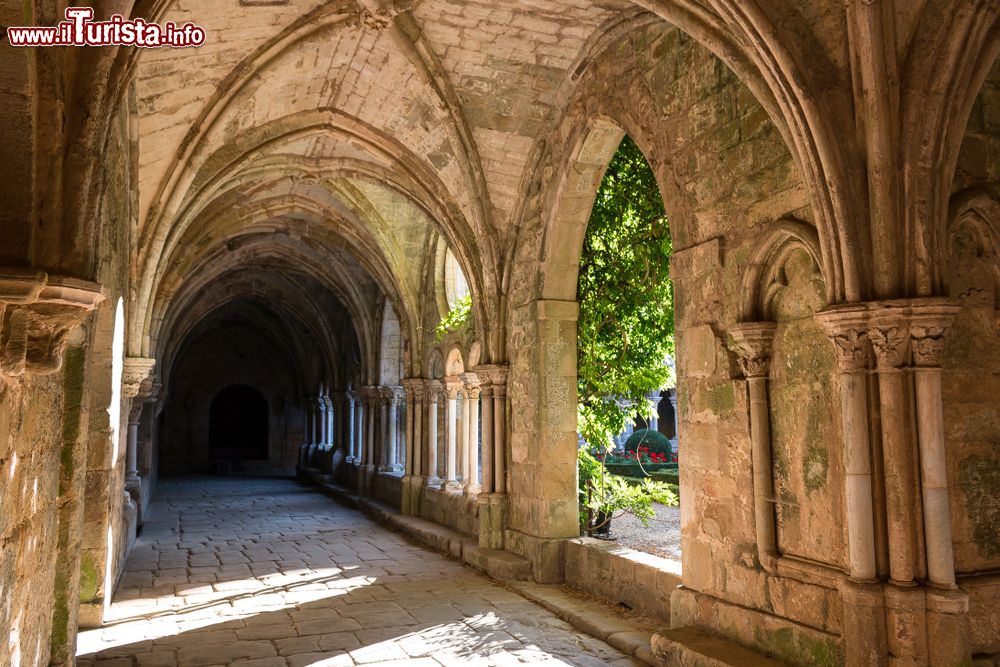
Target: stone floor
{"x": 269, "y": 573}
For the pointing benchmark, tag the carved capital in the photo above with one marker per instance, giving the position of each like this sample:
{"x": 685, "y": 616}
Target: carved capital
{"x": 847, "y": 327}
{"x": 890, "y": 342}
{"x": 931, "y": 322}
{"x": 751, "y": 341}
{"x": 37, "y": 313}
{"x": 452, "y": 386}
{"x": 433, "y": 388}
{"x": 138, "y": 378}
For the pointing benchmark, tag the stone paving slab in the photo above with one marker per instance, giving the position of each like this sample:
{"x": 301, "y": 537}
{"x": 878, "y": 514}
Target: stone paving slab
{"x": 242, "y": 572}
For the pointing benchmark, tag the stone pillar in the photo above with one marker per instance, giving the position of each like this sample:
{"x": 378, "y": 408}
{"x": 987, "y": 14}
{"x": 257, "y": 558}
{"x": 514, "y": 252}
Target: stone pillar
{"x": 137, "y": 389}
{"x": 133, "y": 483}
{"x": 392, "y": 440}
{"x": 492, "y": 499}
{"x": 864, "y": 631}
{"x": 433, "y": 442}
{"x": 888, "y": 333}
{"x": 752, "y": 342}
{"x": 654, "y": 419}
{"x": 542, "y": 503}
{"x": 352, "y": 410}
{"x": 451, "y": 389}
{"x": 498, "y": 380}
{"x": 471, "y": 426}
{"x": 412, "y": 482}
{"x": 947, "y": 605}
{"x": 359, "y": 427}
{"x": 488, "y": 481}
{"x": 415, "y": 448}
{"x": 677, "y": 429}
{"x": 368, "y": 458}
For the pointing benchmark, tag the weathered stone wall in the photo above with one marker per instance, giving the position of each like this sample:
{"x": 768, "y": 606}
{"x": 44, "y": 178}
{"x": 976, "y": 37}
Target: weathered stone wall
{"x": 108, "y": 522}
{"x": 235, "y": 356}
{"x": 971, "y": 380}
{"x": 30, "y": 437}
{"x": 725, "y": 176}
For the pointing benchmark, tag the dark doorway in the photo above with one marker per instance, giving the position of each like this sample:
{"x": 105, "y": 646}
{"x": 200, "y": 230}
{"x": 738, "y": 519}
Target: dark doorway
{"x": 237, "y": 426}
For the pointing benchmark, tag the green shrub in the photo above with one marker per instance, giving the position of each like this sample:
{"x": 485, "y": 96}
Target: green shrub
{"x": 654, "y": 440}
{"x": 636, "y": 470}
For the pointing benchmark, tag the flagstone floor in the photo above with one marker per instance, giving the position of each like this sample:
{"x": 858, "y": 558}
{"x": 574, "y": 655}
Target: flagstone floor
{"x": 269, "y": 573}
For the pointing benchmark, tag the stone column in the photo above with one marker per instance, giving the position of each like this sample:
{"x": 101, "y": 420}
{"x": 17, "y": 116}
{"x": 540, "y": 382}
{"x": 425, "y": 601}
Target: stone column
{"x": 359, "y": 427}
{"x": 888, "y": 333}
{"x": 488, "y": 481}
{"x": 492, "y": 500}
{"x": 677, "y": 429}
{"x": 752, "y": 342}
{"x": 371, "y": 403}
{"x": 433, "y": 443}
{"x": 654, "y": 419}
{"x": 498, "y": 380}
{"x": 352, "y": 409}
{"x": 392, "y": 440}
{"x": 947, "y": 605}
{"x": 415, "y": 449}
{"x": 306, "y": 431}
{"x": 864, "y": 603}
{"x": 471, "y": 425}
{"x": 133, "y": 483}
{"x": 451, "y": 389}
{"x": 137, "y": 388}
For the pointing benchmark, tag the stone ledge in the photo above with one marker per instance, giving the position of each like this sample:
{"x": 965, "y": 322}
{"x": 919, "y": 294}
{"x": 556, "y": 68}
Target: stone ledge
{"x": 500, "y": 565}
{"x": 631, "y": 634}
{"x": 621, "y": 575}
{"x": 691, "y": 647}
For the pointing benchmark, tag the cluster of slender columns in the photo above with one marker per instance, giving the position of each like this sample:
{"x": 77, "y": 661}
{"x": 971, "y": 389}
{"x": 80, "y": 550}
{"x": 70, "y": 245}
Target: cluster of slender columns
{"x": 901, "y": 564}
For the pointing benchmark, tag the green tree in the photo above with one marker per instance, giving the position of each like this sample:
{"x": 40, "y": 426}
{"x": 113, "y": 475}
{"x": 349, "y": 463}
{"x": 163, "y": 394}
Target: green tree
{"x": 626, "y": 325}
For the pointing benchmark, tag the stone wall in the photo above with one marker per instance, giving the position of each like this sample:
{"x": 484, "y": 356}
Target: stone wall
{"x": 236, "y": 357}
{"x": 726, "y": 178}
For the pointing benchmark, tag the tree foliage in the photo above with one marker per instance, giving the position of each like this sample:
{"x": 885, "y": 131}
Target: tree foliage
{"x": 626, "y": 323}
{"x": 456, "y": 318}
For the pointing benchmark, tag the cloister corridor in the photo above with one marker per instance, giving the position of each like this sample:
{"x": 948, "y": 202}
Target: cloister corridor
{"x": 266, "y": 572}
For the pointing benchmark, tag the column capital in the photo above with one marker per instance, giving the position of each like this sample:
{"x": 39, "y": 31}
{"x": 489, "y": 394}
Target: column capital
{"x": 37, "y": 313}
{"x": 452, "y": 386}
{"x": 138, "y": 378}
{"x": 493, "y": 378}
{"x": 434, "y": 389}
{"x": 929, "y": 326}
{"x": 415, "y": 388}
{"x": 751, "y": 341}
{"x": 847, "y": 327}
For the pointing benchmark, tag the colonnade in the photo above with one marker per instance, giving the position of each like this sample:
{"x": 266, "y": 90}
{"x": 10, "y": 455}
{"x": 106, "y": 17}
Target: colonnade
{"x": 442, "y": 435}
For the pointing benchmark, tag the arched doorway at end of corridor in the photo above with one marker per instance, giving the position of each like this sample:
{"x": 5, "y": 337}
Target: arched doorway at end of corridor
{"x": 238, "y": 427}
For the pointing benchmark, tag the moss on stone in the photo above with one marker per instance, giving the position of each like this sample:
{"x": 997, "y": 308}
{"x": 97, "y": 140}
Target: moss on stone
{"x": 89, "y": 578}
{"x": 979, "y": 479}
{"x": 798, "y": 648}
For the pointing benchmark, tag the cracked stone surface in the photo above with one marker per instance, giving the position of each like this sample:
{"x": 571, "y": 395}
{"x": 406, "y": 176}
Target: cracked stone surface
{"x": 269, "y": 573}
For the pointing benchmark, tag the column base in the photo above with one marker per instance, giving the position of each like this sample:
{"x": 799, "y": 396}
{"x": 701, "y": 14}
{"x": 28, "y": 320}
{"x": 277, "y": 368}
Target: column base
{"x": 948, "y": 641}
{"x": 133, "y": 488}
{"x": 864, "y": 631}
{"x": 453, "y": 486}
{"x": 906, "y": 622}
{"x": 492, "y": 520}
{"x": 472, "y": 489}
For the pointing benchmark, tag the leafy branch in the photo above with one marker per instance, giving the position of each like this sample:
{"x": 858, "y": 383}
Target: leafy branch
{"x": 457, "y": 317}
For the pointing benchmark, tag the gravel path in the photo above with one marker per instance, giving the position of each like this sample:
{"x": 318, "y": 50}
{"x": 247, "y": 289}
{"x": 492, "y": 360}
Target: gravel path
{"x": 662, "y": 537}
